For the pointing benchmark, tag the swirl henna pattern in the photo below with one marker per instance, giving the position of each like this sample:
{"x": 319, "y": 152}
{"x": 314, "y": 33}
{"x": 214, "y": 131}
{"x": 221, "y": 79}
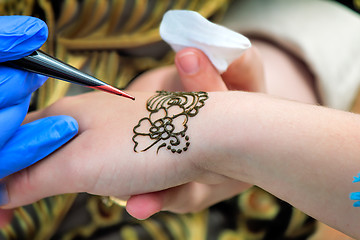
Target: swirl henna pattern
{"x": 167, "y": 123}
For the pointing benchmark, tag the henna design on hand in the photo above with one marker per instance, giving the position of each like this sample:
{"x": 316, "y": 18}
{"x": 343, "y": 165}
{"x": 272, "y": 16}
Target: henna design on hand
{"x": 166, "y": 125}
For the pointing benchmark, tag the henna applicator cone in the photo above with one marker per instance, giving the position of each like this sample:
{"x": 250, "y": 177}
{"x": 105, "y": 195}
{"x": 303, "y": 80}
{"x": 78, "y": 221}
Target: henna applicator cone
{"x": 44, "y": 64}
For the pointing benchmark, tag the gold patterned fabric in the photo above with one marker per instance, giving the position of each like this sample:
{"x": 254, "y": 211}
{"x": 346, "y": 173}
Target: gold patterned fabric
{"x": 116, "y": 40}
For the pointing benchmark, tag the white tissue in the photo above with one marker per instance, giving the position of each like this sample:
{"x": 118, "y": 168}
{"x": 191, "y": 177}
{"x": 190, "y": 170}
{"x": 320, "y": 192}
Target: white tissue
{"x": 183, "y": 28}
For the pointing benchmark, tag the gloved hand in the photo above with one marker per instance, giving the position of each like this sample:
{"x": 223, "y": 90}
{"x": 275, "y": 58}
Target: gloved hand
{"x": 21, "y": 146}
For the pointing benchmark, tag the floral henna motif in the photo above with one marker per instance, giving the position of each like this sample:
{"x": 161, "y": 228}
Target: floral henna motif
{"x": 167, "y": 123}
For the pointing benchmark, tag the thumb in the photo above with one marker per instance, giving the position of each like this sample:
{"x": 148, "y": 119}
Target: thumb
{"x": 246, "y": 73}
{"x": 34, "y": 141}
{"x": 196, "y": 71}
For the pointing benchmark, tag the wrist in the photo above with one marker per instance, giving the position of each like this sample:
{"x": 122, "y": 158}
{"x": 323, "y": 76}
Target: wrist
{"x": 221, "y": 134}
{"x": 168, "y": 131}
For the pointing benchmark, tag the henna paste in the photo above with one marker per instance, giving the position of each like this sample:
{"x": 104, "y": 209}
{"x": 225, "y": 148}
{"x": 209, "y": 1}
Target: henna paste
{"x": 166, "y": 125}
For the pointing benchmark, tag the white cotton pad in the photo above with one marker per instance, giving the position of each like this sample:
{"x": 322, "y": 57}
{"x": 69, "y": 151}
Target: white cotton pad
{"x": 183, "y": 28}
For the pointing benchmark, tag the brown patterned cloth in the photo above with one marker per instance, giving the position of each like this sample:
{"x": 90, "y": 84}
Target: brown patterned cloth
{"x": 253, "y": 215}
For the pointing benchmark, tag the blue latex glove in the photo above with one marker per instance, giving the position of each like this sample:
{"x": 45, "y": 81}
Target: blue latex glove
{"x": 21, "y": 146}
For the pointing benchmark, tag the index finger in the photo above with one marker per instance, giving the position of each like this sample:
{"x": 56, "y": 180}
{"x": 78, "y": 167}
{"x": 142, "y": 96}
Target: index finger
{"x": 20, "y": 36}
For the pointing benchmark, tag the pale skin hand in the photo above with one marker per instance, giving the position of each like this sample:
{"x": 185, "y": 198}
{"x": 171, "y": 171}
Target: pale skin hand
{"x": 245, "y": 73}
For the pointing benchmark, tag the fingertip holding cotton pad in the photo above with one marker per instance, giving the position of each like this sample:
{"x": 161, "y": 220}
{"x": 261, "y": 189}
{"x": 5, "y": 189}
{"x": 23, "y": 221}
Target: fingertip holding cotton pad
{"x": 184, "y": 28}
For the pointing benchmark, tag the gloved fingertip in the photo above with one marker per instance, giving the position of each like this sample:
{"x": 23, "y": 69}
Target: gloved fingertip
{"x": 34, "y": 141}
{"x": 59, "y": 130}
{"x": 67, "y": 125}
{"x": 20, "y": 36}
{"x": 41, "y": 79}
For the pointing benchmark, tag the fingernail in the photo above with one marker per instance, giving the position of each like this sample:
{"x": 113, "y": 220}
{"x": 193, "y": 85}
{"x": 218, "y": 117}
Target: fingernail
{"x": 189, "y": 63}
{"x": 4, "y": 196}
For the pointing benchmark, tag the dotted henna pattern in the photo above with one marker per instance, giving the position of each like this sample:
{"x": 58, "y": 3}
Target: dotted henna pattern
{"x": 166, "y": 125}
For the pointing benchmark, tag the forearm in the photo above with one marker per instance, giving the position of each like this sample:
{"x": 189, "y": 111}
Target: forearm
{"x": 304, "y": 154}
